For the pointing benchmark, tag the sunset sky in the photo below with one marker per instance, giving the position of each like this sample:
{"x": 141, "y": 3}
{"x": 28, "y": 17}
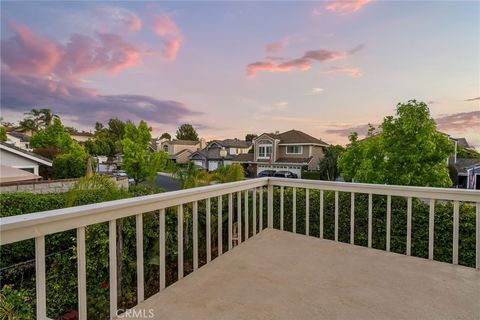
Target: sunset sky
{"x": 232, "y": 68}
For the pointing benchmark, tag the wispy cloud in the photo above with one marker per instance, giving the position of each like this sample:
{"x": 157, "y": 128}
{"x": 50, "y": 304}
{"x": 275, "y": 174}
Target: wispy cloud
{"x": 316, "y": 91}
{"x": 302, "y": 63}
{"x": 171, "y": 35}
{"x": 473, "y": 99}
{"x": 459, "y": 121}
{"x": 277, "y": 46}
{"x": 353, "y": 72}
{"x": 346, "y": 6}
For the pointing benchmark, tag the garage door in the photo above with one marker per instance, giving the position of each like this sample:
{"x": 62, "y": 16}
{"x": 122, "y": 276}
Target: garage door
{"x": 212, "y": 165}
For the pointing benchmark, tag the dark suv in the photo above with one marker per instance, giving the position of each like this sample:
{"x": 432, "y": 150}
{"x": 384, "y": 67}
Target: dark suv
{"x": 266, "y": 173}
{"x": 285, "y": 174}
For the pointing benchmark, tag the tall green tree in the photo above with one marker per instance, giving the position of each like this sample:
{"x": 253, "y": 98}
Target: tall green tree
{"x": 249, "y": 137}
{"x": 138, "y": 161}
{"x": 166, "y": 135}
{"x": 38, "y": 119}
{"x": 408, "y": 151}
{"x": 187, "y": 132}
{"x": 328, "y": 166}
{"x": 54, "y": 136}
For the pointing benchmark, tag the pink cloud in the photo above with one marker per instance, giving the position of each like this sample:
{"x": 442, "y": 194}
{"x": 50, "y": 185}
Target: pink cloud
{"x": 346, "y": 5}
{"x": 353, "y": 72}
{"x": 303, "y": 63}
{"x": 26, "y": 52}
{"x": 277, "y": 46}
{"x": 167, "y": 29}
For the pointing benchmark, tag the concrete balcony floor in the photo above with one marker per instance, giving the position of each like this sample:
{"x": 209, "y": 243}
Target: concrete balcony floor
{"x": 281, "y": 275}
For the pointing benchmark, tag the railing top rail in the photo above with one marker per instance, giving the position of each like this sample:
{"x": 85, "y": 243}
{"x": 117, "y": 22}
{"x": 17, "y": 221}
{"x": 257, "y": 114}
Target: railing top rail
{"x": 27, "y": 226}
{"x": 393, "y": 190}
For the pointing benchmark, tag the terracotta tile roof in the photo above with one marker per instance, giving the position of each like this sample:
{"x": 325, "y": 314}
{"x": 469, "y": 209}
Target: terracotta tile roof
{"x": 185, "y": 142}
{"x": 244, "y": 157}
{"x": 295, "y": 136}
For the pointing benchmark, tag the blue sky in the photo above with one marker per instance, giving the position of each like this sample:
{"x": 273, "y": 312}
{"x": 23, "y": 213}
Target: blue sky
{"x": 233, "y": 68}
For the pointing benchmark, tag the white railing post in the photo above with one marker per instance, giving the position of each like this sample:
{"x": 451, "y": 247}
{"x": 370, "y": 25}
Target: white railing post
{"x": 270, "y": 206}
{"x": 246, "y": 215}
{"x": 307, "y": 212}
{"x": 239, "y": 218}
{"x": 112, "y": 253}
{"x": 456, "y": 209}
{"x": 208, "y": 231}
{"x": 321, "y": 214}
{"x": 336, "y": 215}
{"x": 352, "y": 218}
{"x": 409, "y": 226}
{"x": 219, "y": 224}
{"x": 389, "y": 221}
{"x": 140, "y": 276}
{"x": 40, "y": 281}
{"x": 81, "y": 274}
{"x": 431, "y": 228}
{"x": 260, "y": 212}
{"x": 254, "y": 218}
{"x": 477, "y": 246}
{"x": 370, "y": 204}
{"x": 281, "y": 207}
{"x": 180, "y": 240}
{"x": 230, "y": 221}
{"x": 195, "y": 235}
{"x": 294, "y": 210}
{"x": 161, "y": 217}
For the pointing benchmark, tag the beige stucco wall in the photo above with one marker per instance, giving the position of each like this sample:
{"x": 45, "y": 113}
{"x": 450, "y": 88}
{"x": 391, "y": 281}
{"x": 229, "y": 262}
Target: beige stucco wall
{"x": 282, "y": 152}
{"x": 317, "y": 154}
{"x": 51, "y": 186}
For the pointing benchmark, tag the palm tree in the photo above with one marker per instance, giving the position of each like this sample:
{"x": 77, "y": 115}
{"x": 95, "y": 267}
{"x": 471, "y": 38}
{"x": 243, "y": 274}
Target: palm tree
{"x": 46, "y": 117}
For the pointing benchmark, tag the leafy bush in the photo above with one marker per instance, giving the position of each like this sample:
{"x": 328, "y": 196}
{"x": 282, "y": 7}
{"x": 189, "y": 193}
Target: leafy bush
{"x": 70, "y": 165}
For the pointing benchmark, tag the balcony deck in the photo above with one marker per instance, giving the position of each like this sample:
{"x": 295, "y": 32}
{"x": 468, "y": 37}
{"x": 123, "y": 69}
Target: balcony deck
{"x": 281, "y": 275}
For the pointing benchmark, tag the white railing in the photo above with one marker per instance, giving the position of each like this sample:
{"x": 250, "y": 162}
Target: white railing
{"x": 38, "y": 225}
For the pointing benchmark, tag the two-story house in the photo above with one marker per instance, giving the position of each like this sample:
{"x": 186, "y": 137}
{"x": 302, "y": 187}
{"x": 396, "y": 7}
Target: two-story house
{"x": 180, "y": 150}
{"x": 287, "y": 151}
{"x": 219, "y": 153}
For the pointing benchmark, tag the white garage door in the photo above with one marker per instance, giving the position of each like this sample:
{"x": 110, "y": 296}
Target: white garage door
{"x": 198, "y": 163}
{"x": 212, "y": 165}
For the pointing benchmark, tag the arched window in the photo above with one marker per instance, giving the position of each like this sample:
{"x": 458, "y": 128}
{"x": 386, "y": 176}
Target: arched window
{"x": 165, "y": 148}
{"x": 264, "y": 149}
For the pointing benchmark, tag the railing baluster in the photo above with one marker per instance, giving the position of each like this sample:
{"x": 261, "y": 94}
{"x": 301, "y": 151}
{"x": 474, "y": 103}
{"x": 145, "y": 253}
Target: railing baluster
{"x": 230, "y": 221}
{"x": 260, "y": 218}
{"x": 431, "y": 224}
{"x": 370, "y": 220}
{"x": 246, "y": 214}
{"x": 254, "y": 218}
{"x": 281, "y": 207}
{"x": 180, "y": 240}
{"x": 389, "y": 220}
{"x": 409, "y": 226}
{"x": 336, "y": 215}
{"x": 81, "y": 274}
{"x": 40, "y": 282}
{"x": 209, "y": 234}
{"x": 477, "y": 247}
{"x": 161, "y": 217}
{"x": 112, "y": 253}
{"x": 195, "y": 235}
{"x": 321, "y": 214}
{"x": 307, "y": 212}
{"x": 294, "y": 209}
{"x": 456, "y": 209}
{"x": 140, "y": 276}
{"x": 270, "y": 206}
{"x": 219, "y": 224}
{"x": 352, "y": 218}
{"x": 239, "y": 218}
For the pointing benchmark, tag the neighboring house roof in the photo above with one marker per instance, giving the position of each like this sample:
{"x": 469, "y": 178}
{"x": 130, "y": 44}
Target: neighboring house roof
{"x": 173, "y": 156}
{"x": 463, "y": 164}
{"x": 23, "y": 137}
{"x": 234, "y": 143}
{"x": 249, "y": 157}
{"x": 26, "y": 154}
{"x": 211, "y": 154}
{"x": 294, "y": 137}
{"x": 153, "y": 144}
{"x": 462, "y": 142}
{"x": 184, "y": 142}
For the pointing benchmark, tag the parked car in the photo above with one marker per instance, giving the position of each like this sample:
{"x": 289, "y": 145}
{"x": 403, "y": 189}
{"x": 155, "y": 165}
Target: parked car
{"x": 266, "y": 173}
{"x": 285, "y": 174}
{"x": 122, "y": 173}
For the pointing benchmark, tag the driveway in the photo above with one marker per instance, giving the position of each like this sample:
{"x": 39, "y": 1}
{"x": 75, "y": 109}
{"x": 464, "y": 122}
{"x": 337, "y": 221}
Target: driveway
{"x": 168, "y": 183}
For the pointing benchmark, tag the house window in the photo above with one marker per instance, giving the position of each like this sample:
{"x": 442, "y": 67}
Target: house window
{"x": 165, "y": 148}
{"x": 264, "y": 149}
{"x": 294, "y": 149}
